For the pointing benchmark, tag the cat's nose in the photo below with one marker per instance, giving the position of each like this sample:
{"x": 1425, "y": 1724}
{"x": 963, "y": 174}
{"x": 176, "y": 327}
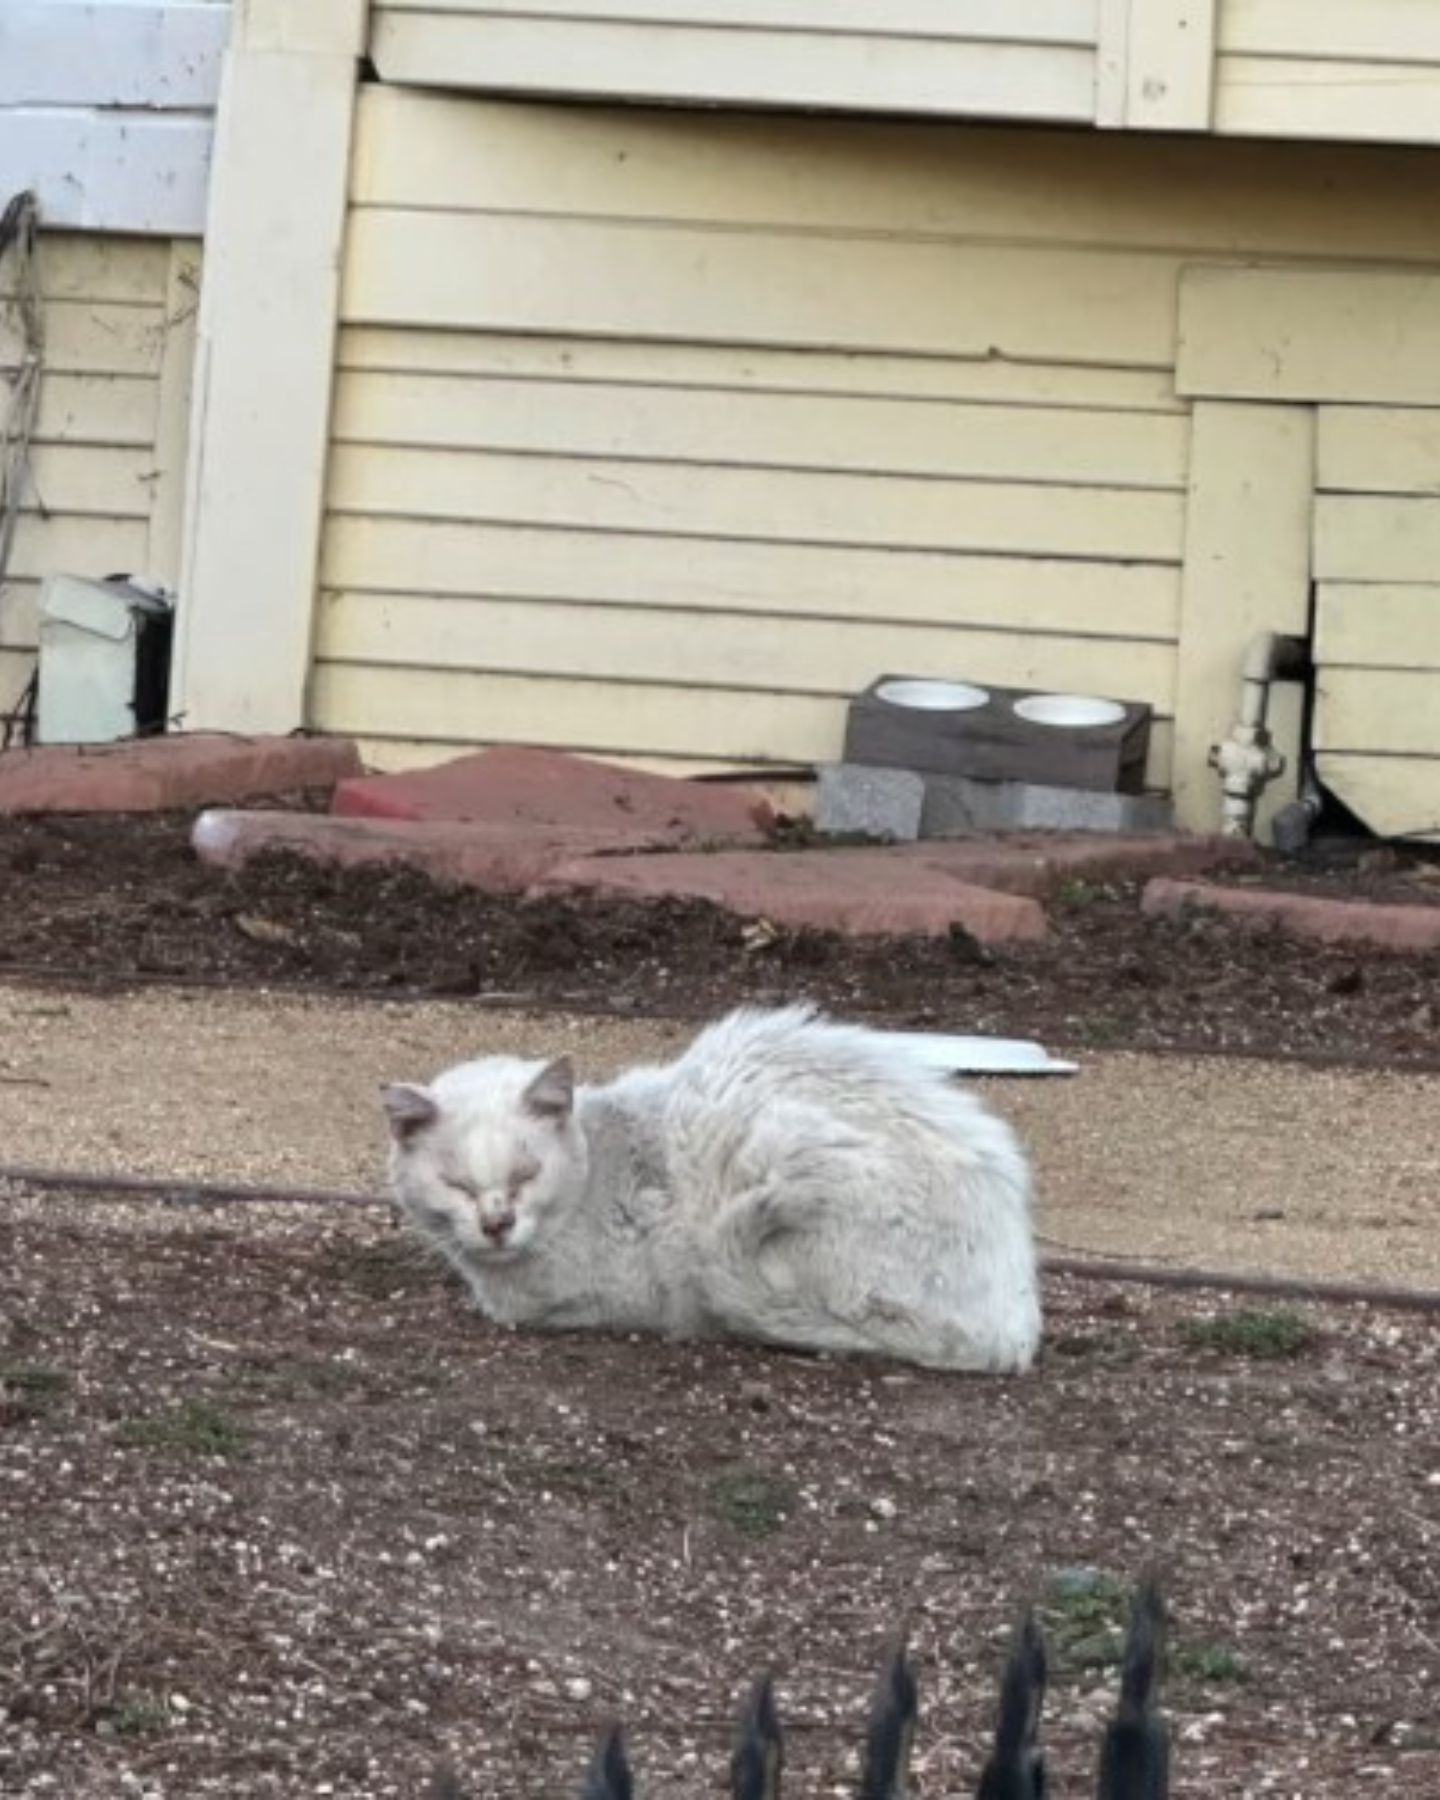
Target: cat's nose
{"x": 497, "y": 1229}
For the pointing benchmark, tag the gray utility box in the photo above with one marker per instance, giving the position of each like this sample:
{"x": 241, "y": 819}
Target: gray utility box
{"x": 104, "y": 660}
{"x": 999, "y": 734}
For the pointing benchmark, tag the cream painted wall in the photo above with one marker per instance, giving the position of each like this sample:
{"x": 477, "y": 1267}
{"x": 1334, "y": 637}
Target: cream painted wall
{"x": 109, "y": 454}
{"x": 1321, "y": 69}
{"x": 657, "y": 435}
{"x": 1031, "y": 59}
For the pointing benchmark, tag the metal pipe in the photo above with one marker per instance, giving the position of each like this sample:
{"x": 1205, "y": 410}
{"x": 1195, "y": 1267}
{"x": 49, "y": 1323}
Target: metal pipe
{"x": 176, "y": 1188}
{"x": 1279, "y": 1287}
{"x": 1247, "y": 759}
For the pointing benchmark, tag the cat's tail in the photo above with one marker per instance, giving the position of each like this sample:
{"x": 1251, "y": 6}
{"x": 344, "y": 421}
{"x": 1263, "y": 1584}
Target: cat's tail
{"x": 1017, "y": 1762}
{"x": 609, "y": 1777}
{"x": 1135, "y": 1756}
{"x": 759, "y": 1756}
{"x": 885, "y": 1773}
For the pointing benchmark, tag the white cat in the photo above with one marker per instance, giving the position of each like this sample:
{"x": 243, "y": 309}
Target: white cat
{"x": 787, "y": 1179}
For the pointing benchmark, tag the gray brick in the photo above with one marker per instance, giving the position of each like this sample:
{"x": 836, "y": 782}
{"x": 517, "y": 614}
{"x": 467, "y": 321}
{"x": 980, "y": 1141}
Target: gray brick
{"x": 881, "y": 803}
{"x": 955, "y": 806}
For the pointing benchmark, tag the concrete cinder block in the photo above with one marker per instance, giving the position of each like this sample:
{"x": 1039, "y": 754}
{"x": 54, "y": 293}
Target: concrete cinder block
{"x": 1068, "y": 809}
{"x": 955, "y": 806}
{"x": 852, "y": 798}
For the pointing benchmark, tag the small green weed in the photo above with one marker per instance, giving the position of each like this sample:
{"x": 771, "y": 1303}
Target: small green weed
{"x": 1078, "y": 896}
{"x": 751, "y": 1502}
{"x": 1096, "y": 1346}
{"x": 1217, "y": 1664}
{"x": 193, "y": 1428}
{"x": 803, "y": 834}
{"x": 567, "y": 1476}
{"x": 298, "y": 1377}
{"x": 137, "y": 1715}
{"x": 33, "y": 1388}
{"x": 1083, "y": 1612}
{"x": 1264, "y": 1334}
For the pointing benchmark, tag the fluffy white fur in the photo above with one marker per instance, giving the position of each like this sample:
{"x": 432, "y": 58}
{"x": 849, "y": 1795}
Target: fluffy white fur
{"x": 787, "y": 1179}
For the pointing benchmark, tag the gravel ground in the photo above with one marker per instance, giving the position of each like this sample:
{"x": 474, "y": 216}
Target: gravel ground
{"x": 279, "y": 1515}
{"x": 1240, "y": 1165}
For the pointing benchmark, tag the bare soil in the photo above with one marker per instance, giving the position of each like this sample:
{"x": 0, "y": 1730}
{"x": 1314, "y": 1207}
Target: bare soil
{"x": 121, "y": 901}
{"x": 1351, "y": 869}
{"x": 280, "y": 1515}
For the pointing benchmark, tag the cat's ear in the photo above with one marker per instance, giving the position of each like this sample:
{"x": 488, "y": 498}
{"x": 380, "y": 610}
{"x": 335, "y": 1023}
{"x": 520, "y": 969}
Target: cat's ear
{"x": 551, "y": 1095}
{"x": 409, "y": 1109}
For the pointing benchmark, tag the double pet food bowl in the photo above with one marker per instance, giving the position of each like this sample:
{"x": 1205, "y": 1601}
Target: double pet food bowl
{"x": 999, "y": 734}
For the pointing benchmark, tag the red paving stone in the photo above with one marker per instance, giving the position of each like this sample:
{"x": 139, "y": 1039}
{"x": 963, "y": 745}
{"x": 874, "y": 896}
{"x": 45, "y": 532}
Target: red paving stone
{"x": 1041, "y": 863}
{"x": 172, "y": 773}
{"x": 513, "y": 786}
{"x": 992, "y": 887}
{"x": 1367, "y": 922}
{"x": 498, "y": 858}
{"x": 859, "y": 892}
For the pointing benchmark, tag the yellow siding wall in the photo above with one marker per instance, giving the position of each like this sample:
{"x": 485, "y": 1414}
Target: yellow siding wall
{"x": 658, "y": 435}
{"x": 1366, "y": 69}
{"x": 108, "y": 461}
{"x": 1320, "y": 69}
{"x": 1026, "y": 59}
{"x": 1377, "y": 624}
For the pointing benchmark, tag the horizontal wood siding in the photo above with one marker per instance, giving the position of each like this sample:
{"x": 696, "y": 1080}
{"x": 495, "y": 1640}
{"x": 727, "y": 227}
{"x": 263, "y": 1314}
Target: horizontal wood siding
{"x": 625, "y": 544}
{"x": 876, "y": 183}
{"x": 1310, "y": 335}
{"x": 1379, "y": 450}
{"x": 661, "y": 434}
{"x": 94, "y": 502}
{"x": 1091, "y": 599}
{"x": 710, "y": 728}
{"x": 1328, "y": 70}
{"x": 1332, "y": 69}
{"x": 1034, "y": 59}
{"x": 822, "y": 433}
{"x": 1377, "y": 616}
{"x": 571, "y": 276}
{"x": 647, "y": 453}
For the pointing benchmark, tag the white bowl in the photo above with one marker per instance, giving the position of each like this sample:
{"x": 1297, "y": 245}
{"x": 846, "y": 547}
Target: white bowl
{"x": 933, "y": 696}
{"x": 1074, "y": 710}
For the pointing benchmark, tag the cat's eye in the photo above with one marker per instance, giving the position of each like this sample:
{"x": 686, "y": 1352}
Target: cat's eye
{"x": 465, "y": 1189}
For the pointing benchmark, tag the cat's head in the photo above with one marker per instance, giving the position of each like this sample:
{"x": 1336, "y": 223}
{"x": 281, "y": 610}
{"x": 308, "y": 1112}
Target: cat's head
{"x": 487, "y": 1154}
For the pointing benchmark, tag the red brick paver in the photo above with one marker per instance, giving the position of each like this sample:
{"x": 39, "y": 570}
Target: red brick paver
{"x": 1041, "y": 863}
{"x": 1368, "y": 922}
{"x": 500, "y": 859}
{"x": 514, "y": 786}
{"x": 168, "y": 773}
{"x": 860, "y": 892}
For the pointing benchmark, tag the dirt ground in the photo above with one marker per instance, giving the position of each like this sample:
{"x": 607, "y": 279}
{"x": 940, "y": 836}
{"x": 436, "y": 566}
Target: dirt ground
{"x": 117, "y": 901}
{"x": 279, "y": 1514}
